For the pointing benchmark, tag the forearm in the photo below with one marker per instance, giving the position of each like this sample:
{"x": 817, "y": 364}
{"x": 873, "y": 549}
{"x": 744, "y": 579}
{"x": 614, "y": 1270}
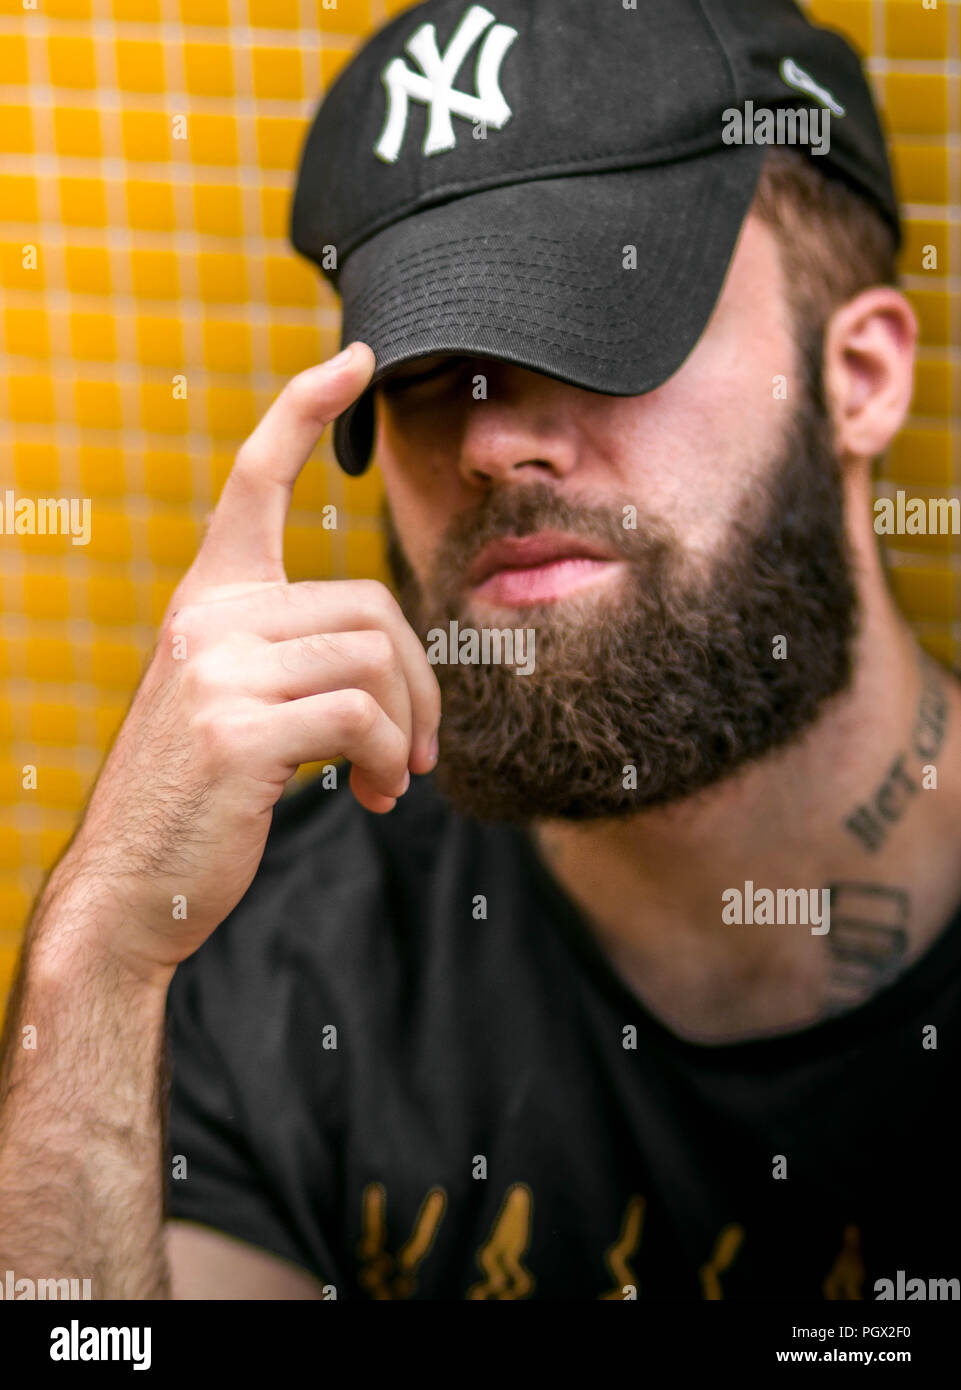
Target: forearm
{"x": 82, "y": 1110}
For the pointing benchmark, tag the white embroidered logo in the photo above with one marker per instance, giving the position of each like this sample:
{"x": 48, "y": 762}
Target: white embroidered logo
{"x": 802, "y": 81}
{"x": 435, "y": 83}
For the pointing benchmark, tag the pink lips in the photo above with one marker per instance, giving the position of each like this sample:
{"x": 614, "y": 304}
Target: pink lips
{"x": 537, "y": 569}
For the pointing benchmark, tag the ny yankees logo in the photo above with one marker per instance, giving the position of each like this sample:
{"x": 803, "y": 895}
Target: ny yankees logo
{"x": 435, "y": 83}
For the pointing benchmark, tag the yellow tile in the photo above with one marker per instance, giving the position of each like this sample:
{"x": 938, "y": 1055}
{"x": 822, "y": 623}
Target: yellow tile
{"x": 52, "y": 722}
{"x": 159, "y": 341}
{"x": 67, "y": 9}
{"x": 291, "y": 280}
{"x": 231, "y": 412}
{"x": 274, "y": 14}
{"x": 13, "y": 59}
{"x": 205, "y": 11}
{"x": 115, "y": 665}
{"x": 275, "y": 211}
{"x": 11, "y": 847}
{"x": 277, "y": 73}
{"x": 932, "y": 389}
{"x": 279, "y": 139}
{"x": 345, "y": 17}
{"x": 109, "y": 535}
{"x": 141, "y": 11}
{"x": 915, "y": 32}
{"x": 931, "y": 307}
{"x": 218, "y": 210}
{"x": 16, "y": 130}
{"x": 150, "y": 205}
{"x": 161, "y": 411}
{"x": 921, "y": 172}
{"x": 72, "y": 61}
{"x": 222, "y": 276}
{"x": 208, "y": 69}
{"x": 227, "y": 346}
{"x": 102, "y": 471}
{"x": 926, "y": 248}
{"x": 851, "y": 17}
{"x": 364, "y": 496}
{"x": 36, "y": 466}
{"x": 167, "y": 475}
{"x": 924, "y": 593}
{"x": 14, "y": 904}
{"x": 30, "y": 398}
{"x": 76, "y": 131}
{"x": 940, "y": 646}
{"x": 307, "y": 552}
{"x": 920, "y": 456}
{"x": 145, "y": 135}
{"x": 917, "y": 103}
{"x": 108, "y": 717}
{"x": 46, "y": 596}
{"x": 52, "y": 844}
{"x": 26, "y": 332}
{"x": 60, "y": 786}
{"x": 331, "y": 62}
{"x": 212, "y": 139}
{"x": 312, "y": 493}
{"x": 82, "y": 202}
{"x": 49, "y": 659}
{"x": 87, "y": 269}
{"x": 366, "y": 556}
{"x": 97, "y": 405}
{"x": 155, "y": 274}
{"x": 93, "y": 337}
{"x": 111, "y": 601}
{"x": 140, "y": 65}
{"x": 161, "y": 592}
{"x": 18, "y": 198}
{"x": 293, "y": 347}
{"x": 172, "y": 539}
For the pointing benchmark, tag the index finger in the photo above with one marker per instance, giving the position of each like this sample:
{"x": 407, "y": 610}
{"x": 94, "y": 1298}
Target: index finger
{"x": 245, "y": 538}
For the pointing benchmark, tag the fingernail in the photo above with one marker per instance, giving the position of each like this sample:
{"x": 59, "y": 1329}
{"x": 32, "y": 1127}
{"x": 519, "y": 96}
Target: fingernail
{"x": 432, "y": 750}
{"x": 406, "y": 783}
{"x": 341, "y": 359}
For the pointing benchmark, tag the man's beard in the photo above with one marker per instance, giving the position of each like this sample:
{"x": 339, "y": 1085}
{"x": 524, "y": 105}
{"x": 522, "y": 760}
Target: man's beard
{"x": 677, "y": 677}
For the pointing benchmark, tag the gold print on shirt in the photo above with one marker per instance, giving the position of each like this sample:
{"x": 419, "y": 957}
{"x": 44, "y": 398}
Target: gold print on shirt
{"x": 384, "y": 1275}
{"x": 726, "y": 1248}
{"x": 847, "y": 1273}
{"x": 617, "y": 1255}
{"x": 501, "y": 1255}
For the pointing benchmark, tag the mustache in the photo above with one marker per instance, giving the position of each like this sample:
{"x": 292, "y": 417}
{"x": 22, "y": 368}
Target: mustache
{"x": 515, "y": 512}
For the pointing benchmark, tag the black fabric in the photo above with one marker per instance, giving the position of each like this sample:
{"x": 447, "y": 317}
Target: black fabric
{"x": 461, "y": 1039}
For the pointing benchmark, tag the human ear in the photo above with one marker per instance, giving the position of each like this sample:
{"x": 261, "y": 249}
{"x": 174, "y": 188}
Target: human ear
{"x": 869, "y": 350}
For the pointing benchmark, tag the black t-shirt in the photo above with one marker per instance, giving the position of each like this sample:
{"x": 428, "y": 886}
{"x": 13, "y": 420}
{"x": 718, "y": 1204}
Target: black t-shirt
{"x": 411, "y": 1099}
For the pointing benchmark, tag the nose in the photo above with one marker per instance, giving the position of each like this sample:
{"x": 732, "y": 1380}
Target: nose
{"x": 518, "y": 425}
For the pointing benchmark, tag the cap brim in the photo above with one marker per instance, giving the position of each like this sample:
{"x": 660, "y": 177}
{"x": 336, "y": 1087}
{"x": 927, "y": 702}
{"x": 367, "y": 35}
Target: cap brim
{"x": 541, "y": 274}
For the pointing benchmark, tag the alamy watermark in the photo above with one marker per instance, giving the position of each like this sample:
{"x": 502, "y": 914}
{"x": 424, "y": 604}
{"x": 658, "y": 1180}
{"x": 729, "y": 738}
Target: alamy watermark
{"x": 45, "y": 516}
{"x": 23, "y": 1288}
{"x": 488, "y": 646}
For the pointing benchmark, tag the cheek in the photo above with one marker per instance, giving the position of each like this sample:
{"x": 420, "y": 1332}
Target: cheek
{"x": 693, "y": 448}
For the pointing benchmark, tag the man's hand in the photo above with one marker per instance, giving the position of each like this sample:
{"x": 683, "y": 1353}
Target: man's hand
{"x": 251, "y": 676}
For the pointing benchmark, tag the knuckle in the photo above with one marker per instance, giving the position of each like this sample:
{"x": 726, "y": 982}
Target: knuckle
{"x": 359, "y": 711}
{"x": 377, "y": 595}
{"x": 380, "y": 657}
{"x": 221, "y": 733}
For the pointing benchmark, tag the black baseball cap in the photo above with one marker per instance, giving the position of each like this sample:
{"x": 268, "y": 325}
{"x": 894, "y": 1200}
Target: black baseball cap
{"x": 553, "y": 182}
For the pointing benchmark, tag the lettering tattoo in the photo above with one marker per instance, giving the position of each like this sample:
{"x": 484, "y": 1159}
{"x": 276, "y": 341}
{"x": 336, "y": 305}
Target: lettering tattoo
{"x": 868, "y": 941}
{"x": 870, "y": 822}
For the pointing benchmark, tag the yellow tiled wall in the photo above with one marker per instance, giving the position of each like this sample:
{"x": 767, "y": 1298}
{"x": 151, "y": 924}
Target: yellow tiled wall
{"x": 155, "y": 255}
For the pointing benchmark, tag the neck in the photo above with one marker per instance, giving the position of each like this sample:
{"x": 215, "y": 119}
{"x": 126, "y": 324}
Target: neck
{"x": 675, "y": 896}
